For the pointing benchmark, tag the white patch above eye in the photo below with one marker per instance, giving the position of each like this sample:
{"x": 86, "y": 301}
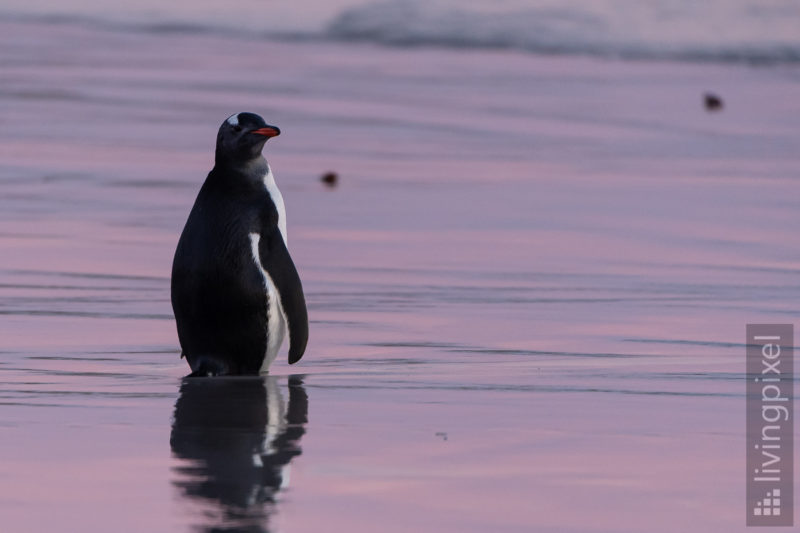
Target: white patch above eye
{"x": 233, "y": 120}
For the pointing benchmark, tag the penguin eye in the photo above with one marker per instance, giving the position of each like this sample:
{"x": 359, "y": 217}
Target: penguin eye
{"x": 237, "y": 128}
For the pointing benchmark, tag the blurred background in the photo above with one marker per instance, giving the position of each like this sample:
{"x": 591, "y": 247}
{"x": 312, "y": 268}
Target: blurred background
{"x": 527, "y": 283}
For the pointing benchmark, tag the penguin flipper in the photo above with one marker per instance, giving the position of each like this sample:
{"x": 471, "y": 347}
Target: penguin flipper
{"x": 277, "y": 262}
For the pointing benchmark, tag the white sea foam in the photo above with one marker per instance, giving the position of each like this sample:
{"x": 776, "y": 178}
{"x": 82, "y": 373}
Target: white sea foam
{"x": 714, "y": 30}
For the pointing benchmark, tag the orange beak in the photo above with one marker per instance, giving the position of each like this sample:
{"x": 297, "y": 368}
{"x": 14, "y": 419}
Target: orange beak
{"x": 269, "y": 131}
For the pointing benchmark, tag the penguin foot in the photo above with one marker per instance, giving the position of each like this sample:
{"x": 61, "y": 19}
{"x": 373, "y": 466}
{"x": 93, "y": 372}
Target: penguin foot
{"x": 207, "y": 365}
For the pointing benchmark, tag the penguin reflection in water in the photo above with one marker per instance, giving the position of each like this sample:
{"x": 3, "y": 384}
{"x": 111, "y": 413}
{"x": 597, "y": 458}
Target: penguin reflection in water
{"x": 235, "y": 289}
{"x": 235, "y": 438}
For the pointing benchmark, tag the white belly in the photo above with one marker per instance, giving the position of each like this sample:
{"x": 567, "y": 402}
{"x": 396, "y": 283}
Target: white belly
{"x": 277, "y": 199}
{"x": 276, "y": 317}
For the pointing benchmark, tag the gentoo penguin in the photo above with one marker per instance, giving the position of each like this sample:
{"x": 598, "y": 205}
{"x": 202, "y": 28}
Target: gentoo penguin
{"x": 235, "y": 289}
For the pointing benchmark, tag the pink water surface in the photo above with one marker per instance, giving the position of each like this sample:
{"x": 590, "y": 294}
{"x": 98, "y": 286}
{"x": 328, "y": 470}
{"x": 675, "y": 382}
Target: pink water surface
{"x": 527, "y": 294}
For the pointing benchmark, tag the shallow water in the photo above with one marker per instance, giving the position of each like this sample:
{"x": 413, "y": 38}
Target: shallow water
{"x": 527, "y": 294}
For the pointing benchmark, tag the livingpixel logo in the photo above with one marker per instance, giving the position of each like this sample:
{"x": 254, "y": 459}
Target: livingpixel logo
{"x": 770, "y": 505}
{"x": 770, "y": 424}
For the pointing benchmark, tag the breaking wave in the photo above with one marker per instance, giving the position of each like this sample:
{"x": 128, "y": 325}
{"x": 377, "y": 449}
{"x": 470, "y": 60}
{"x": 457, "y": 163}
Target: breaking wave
{"x": 721, "y": 30}
{"x": 759, "y": 32}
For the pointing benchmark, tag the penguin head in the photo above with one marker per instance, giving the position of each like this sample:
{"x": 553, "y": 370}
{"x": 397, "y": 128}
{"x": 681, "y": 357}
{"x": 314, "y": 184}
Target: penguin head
{"x": 242, "y": 136}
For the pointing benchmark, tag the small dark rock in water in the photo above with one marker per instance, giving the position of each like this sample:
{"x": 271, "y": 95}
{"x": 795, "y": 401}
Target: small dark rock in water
{"x": 713, "y": 102}
{"x": 330, "y": 179}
